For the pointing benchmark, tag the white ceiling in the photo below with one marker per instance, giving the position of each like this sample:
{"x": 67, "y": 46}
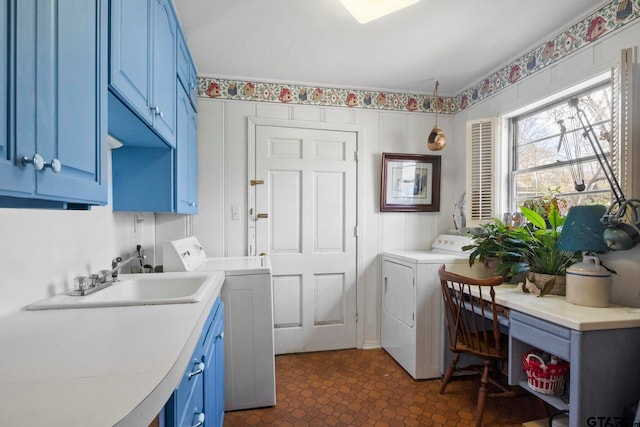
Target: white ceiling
{"x": 317, "y": 42}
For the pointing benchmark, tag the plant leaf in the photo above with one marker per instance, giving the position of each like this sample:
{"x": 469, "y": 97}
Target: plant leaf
{"x": 548, "y": 286}
{"x": 534, "y": 217}
{"x": 555, "y": 219}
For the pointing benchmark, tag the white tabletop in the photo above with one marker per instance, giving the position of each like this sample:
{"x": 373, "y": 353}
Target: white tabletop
{"x": 556, "y": 309}
{"x": 97, "y": 366}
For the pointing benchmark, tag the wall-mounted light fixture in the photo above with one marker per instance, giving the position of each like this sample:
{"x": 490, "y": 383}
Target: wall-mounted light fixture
{"x": 367, "y": 10}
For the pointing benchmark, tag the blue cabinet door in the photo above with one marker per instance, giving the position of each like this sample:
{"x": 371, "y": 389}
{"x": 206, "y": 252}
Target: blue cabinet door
{"x": 164, "y": 41}
{"x": 218, "y": 361}
{"x": 130, "y": 64}
{"x": 143, "y": 38}
{"x": 187, "y": 71}
{"x": 16, "y": 45}
{"x": 186, "y": 157}
{"x": 56, "y": 104}
{"x": 201, "y": 391}
{"x": 11, "y": 178}
{"x": 214, "y": 376}
{"x": 71, "y": 112}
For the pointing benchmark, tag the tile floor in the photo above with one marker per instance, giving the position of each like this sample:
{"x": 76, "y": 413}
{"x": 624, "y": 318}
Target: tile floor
{"x": 368, "y": 388}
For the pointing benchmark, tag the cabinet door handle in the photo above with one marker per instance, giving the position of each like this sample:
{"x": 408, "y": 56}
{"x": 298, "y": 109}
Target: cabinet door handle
{"x": 197, "y": 371}
{"x": 199, "y": 419}
{"x": 55, "y": 165}
{"x": 156, "y": 110}
{"x": 37, "y": 161}
{"x": 39, "y": 164}
{"x": 220, "y": 336}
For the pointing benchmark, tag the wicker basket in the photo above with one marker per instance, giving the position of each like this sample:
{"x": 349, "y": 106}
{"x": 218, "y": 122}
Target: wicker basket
{"x": 545, "y": 378}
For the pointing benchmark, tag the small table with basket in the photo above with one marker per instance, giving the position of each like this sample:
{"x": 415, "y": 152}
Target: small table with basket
{"x": 595, "y": 373}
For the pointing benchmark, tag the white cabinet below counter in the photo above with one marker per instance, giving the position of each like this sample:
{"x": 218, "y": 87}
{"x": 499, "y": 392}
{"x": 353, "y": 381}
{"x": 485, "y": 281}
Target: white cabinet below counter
{"x": 97, "y": 366}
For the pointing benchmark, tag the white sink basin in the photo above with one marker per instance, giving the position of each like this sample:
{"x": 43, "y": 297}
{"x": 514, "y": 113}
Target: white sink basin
{"x": 137, "y": 289}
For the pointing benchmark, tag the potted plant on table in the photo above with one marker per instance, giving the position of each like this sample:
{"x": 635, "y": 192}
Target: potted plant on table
{"x": 534, "y": 246}
{"x": 491, "y": 247}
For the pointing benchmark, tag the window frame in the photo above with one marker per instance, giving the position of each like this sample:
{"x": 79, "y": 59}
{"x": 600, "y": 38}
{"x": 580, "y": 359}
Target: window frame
{"x": 513, "y": 202}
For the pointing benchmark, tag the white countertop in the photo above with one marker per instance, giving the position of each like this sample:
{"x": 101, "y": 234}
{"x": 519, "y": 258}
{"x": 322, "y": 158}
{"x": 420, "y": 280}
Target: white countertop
{"x": 97, "y": 366}
{"x": 556, "y": 309}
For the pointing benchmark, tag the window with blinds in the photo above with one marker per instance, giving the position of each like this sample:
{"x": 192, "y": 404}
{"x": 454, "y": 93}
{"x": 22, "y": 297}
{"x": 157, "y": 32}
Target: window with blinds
{"x": 626, "y": 114}
{"x": 481, "y": 183}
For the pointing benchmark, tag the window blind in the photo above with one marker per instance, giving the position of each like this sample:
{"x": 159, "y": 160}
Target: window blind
{"x": 481, "y": 142}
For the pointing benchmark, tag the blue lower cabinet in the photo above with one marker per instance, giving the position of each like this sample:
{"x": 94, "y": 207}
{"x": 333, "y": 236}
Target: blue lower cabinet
{"x": 214, "y": 377}
{"x": 199, "y": 399}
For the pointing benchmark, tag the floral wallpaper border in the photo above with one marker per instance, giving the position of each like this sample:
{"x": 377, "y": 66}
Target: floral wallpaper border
{"x": 604, "y": 21}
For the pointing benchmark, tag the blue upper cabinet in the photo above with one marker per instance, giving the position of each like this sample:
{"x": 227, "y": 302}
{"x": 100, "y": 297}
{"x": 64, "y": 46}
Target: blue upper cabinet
{"x": 187, "y": 71}
{"x": 153, "y": 94}
{"x": 130, "y": 67}
{"x": 186, "y": 157}
{"x": 164, "y": 70}
{"x": 143, "y": 37}
{"x": 54, "y": 55}
{"x": 6, "y": 163}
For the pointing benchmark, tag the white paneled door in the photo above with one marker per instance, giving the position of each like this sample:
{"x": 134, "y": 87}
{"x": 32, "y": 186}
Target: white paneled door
{"x": 305, "y": 219}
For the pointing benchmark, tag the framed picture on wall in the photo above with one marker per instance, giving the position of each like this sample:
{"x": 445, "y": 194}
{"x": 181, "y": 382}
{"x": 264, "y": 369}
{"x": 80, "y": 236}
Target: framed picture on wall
{"x": 410, "y": 183}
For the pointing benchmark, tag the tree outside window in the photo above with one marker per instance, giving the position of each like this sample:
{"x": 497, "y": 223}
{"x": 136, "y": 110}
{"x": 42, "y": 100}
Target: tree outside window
{"x": 545, "y": 163}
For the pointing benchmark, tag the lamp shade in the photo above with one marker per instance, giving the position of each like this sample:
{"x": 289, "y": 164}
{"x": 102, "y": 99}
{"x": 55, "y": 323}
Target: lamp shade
{"x": 582, "y": 229}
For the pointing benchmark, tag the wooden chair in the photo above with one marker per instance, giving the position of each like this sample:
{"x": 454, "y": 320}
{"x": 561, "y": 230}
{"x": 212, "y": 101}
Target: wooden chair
{"x": 472, "y": 325}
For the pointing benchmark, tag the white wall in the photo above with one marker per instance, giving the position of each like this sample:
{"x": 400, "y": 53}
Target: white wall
{"x": 585, "y": 64}
{"x": 41, "y": 251}
{"x": 222, "y": 144}
{"x": 223, "y": 182}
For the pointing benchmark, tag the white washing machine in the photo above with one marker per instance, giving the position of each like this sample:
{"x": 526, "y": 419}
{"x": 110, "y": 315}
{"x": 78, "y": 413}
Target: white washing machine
{"x": 248, "y": 320}
{"x": 412, "y": 319}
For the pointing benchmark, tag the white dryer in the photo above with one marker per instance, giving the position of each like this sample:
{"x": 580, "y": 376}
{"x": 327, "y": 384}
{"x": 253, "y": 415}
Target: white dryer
{"x": 412, "y": 319}
{"x": 248, "y": 320}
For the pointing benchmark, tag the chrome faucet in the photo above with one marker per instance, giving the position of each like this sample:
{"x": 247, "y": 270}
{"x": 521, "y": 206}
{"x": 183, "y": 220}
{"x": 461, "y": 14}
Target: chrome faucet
{"x": 105, "y": 278}
{"x": 116, "y": 266}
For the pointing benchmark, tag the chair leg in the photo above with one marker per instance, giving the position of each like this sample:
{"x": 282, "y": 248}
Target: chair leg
{"x": 482, "y": 394}
{"x": 450, "y": 370}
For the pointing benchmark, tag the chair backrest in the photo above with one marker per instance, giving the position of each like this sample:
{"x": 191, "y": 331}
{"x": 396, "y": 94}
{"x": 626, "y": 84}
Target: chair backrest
{"x": 471, "y": 315}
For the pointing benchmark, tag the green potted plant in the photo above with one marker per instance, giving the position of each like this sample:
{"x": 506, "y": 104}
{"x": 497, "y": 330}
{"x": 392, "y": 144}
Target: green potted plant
{"x": 490, "y": 248}
{"x": 543, "y": 204}
{"x": 533, "y": 251}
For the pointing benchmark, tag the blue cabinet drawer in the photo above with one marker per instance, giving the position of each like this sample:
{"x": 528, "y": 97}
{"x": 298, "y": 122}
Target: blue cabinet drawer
{"x": 539, "y": 333}
{"x": 189, "y": 396}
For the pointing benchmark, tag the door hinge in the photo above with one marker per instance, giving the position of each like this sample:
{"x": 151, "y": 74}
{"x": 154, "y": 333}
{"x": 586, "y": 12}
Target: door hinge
{"x": 355, "y": 231}
{"x": 255, "y": 182}
{"x": 356, "y": 156}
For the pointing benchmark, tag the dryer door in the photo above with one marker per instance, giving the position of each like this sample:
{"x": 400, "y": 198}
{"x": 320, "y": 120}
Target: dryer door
{"x": 398, "y": 292}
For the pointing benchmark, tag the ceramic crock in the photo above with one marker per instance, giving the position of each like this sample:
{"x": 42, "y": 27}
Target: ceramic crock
{"x": 588, "y": 283}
